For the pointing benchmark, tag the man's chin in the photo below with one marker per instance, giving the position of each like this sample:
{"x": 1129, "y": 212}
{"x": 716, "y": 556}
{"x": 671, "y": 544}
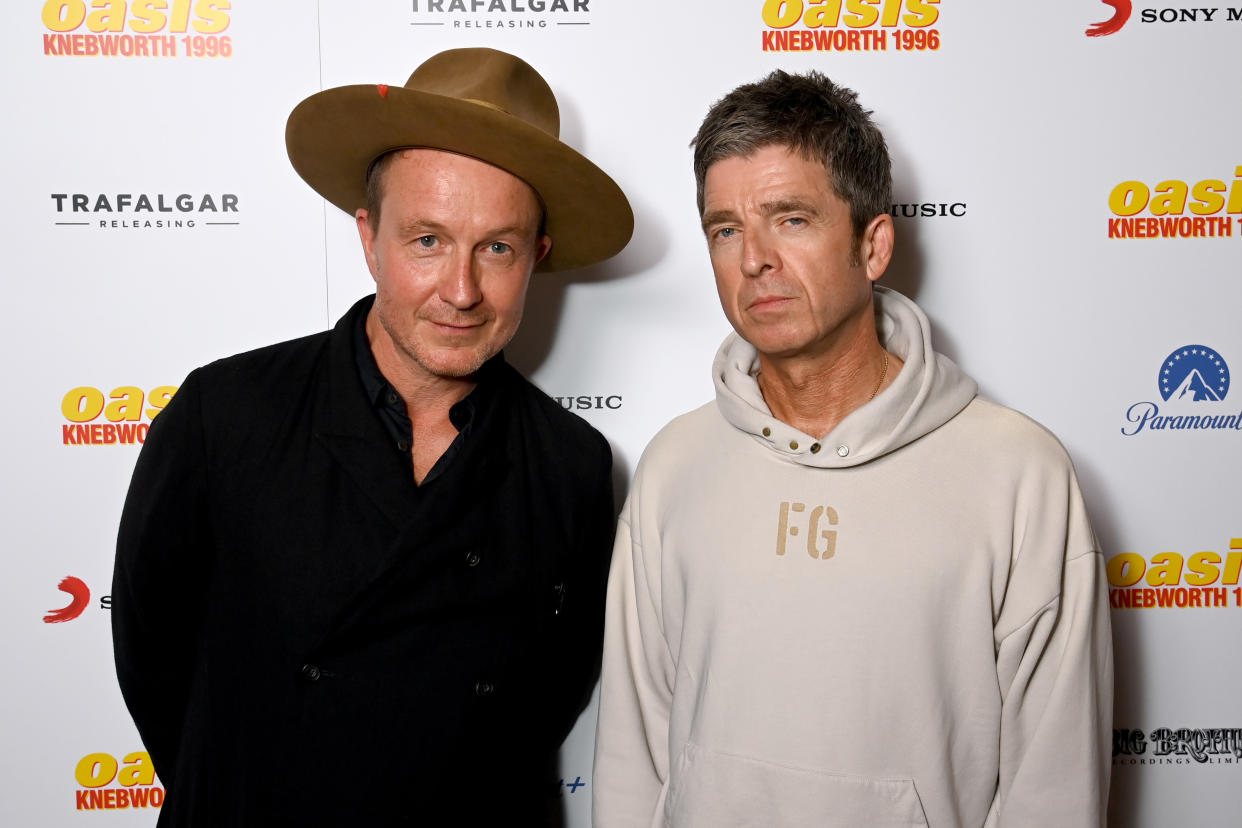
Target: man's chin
{"x": 455, "y": 363}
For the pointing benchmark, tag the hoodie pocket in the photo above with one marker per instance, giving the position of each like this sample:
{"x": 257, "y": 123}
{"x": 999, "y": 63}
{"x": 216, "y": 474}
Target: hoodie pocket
{"x": 711, "y": 789}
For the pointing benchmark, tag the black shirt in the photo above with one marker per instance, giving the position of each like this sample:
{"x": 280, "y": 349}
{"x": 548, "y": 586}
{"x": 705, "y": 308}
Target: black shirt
{"x": 390, "y": 408}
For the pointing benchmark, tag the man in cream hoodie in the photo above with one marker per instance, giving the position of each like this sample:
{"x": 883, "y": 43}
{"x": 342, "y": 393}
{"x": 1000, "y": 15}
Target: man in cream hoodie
{"x": 849, "y": 592}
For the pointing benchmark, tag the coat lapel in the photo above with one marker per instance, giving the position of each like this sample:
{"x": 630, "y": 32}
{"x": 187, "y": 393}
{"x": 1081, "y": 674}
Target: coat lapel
{"x": 423, "y": 522}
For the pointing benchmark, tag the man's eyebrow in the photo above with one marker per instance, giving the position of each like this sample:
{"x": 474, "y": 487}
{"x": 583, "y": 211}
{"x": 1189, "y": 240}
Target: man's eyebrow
{"x": 419, "y": 226}
{"x": 717, "y": 217}
{"x": 768, "y": 208}
{"x": 427, "y": 227}
{"x": 508, "y": 230}
{"x": 789, "y": 205}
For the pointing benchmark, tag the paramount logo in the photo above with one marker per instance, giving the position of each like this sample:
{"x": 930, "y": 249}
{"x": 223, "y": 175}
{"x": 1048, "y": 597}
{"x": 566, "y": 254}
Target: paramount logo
{"x": 1189, "y": 377}
{"x": 1147, "y": 415}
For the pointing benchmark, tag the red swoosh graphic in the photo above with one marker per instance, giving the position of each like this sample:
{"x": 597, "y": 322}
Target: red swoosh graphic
{"x": 81, "y": 597}
{"x": 1121, "y": 13}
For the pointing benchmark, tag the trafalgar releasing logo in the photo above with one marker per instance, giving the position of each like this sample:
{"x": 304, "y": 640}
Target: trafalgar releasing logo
{"x": 125, "y": 418}
{"x": 1178, "y": 746}
{"x": 851, "y": 25}
{"x": 1193, "y": 382}
{"x": 1176, "y": 209}
{"x": 108, "y": 785}
{"x": 142, "y": 29}
{"x": 1171, "y": 580}
{"x": 146, "y": 211}
{"x": 79, "y": 597}
{"x": 501, "y": 15}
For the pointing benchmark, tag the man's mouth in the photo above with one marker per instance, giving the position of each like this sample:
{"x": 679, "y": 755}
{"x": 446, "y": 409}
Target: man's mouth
{"x": 763, "y": 303}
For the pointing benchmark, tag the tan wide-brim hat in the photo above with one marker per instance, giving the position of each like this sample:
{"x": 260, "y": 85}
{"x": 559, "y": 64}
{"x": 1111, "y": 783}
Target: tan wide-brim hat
{"x": 478, "y": 102}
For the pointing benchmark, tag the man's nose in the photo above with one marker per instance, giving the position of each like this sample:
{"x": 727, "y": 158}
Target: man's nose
{"x": 460, "y": 286}
{"x": 758, "y": 253}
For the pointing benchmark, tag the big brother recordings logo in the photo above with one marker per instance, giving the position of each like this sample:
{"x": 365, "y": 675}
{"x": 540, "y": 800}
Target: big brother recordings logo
{"x": 1178, "y": 746}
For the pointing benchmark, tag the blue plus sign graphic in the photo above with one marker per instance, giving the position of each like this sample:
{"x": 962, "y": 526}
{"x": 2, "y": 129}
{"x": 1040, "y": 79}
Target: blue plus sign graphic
{"x": 575, "y": 785}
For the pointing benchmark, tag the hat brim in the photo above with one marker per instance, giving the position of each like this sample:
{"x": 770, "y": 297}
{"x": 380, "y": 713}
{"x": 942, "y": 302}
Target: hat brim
{"x": 333, "y": 136}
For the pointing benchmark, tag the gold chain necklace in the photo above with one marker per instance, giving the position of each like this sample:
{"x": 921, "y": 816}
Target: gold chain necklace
{"x": 883, "y": 374}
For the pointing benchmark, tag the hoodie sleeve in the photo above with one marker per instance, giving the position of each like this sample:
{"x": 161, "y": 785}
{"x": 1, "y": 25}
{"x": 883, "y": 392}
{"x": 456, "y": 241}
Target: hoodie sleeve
{"x": 636, "y": 691}
{"x": 1055, "y": 669}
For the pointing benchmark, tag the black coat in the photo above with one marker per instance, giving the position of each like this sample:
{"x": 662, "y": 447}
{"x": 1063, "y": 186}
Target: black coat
{"x": 299, "y": 643}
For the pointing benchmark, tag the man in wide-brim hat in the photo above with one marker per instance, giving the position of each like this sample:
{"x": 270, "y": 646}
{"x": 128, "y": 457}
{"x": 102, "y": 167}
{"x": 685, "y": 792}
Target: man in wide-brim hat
{"x": 359, "y": 576}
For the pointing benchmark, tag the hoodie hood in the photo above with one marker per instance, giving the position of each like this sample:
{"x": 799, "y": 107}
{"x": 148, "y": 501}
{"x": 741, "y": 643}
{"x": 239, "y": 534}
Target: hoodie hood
{"x": 929, "y": 391}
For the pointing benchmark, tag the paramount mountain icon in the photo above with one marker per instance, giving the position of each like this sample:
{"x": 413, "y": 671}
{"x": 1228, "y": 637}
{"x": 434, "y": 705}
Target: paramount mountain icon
{"x": 1191, "y": 375}
{"x": 1194, "y": 373}
{"x": 1195, "y": 388}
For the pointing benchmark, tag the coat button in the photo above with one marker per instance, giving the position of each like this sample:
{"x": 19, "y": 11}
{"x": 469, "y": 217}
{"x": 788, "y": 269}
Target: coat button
{"x": 483, "y": 689}
{"x": 473, "y": 558}
{"x": 310, "y": 672}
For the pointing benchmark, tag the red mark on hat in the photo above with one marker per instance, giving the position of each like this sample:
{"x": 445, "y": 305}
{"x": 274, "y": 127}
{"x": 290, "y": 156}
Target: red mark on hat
{"x": 81, "y": 595}
{"x": 383, "y": 89}
{"x": 1121, "y": 13}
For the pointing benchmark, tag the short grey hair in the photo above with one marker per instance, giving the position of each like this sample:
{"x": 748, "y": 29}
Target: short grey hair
{"x": 815, "y": 118}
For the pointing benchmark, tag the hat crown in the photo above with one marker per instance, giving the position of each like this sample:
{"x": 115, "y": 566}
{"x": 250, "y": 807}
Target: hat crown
{"x": 493, "y": 79}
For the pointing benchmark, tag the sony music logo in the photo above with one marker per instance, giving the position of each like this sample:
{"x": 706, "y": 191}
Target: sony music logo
{"x": 588, "y": 403}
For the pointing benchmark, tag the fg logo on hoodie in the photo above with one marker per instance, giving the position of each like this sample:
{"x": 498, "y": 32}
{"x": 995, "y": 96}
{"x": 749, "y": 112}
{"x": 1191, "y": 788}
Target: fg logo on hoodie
{"x": 821, "y": 539}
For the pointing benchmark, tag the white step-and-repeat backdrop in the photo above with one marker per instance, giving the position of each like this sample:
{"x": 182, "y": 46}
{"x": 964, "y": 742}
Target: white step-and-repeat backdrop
{"x": 1069, "y": 214}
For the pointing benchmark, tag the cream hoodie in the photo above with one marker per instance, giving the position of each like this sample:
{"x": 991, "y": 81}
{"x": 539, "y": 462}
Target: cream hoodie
{"x": 901, "y": 623}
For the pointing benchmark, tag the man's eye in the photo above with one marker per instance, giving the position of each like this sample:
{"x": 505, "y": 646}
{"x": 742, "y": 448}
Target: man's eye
{"x": 427, "y": 241}
{"x": 725, "y": 232}
{"x": 795, "y": 220}
{"x": 499, "y": 248}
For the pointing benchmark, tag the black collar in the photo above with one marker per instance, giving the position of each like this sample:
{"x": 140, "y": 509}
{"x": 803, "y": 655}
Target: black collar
{"x": 390, "y": 408}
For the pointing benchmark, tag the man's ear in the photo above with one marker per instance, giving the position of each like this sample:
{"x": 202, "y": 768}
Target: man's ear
{"x": 876, "y": 250}
{"x": 542, "y": 248}
{"x": 366, "y": 234}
